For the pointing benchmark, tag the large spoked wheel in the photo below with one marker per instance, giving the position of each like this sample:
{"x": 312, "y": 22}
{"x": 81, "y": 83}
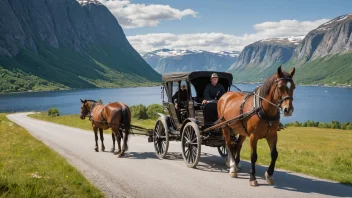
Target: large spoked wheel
{"x": 191, "y": 145}
{"x": 161, "y": 139}
{"x": 222, "y": 151}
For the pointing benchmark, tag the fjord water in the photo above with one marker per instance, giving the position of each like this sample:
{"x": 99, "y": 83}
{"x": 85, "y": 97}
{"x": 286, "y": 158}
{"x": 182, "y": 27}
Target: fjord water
{"x": 311, "y": 103}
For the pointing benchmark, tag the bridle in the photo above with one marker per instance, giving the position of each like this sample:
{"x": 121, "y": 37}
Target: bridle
{"x": 281, "y": 100}
{"x": 88, "y": 113}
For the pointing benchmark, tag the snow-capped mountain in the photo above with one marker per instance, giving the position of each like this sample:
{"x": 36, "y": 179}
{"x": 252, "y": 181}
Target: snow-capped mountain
{"x": 168, "y": 60}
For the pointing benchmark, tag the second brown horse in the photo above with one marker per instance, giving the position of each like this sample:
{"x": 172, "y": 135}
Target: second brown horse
{"x": 116, "y": 116}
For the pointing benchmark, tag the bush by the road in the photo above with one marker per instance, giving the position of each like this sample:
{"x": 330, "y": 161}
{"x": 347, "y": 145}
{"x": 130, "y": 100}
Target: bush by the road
{"x": 53, "y": 112}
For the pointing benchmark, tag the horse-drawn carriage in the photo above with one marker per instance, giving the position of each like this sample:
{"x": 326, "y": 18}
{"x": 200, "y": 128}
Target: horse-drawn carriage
{"x": 250, "y": 114}
{"x": 188, "y": 122}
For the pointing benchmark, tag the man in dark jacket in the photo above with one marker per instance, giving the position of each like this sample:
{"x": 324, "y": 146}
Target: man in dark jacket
{"x": 213, "y": 90}
{"x": 183, "y": 96}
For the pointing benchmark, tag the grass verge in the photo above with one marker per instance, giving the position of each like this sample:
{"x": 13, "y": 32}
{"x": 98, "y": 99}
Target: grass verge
{"x": 28, "y": 168}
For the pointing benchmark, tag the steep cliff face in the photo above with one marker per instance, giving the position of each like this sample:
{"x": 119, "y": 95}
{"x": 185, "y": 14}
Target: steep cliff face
{"x": 325, "y": 54}
{"x": 332, "y": 37}
{"x": 167, "y": 60}
{"x": 259, "y": 59}
{"x": 74, "y": 43}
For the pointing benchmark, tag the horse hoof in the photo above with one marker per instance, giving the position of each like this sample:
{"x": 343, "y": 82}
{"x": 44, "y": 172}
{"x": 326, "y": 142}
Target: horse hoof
{"x": 112, "y": 150}
{"x": 117, "y": 152}
{"x": 96, "y": 149}
{"x": 238, "y": 168}
{"x": 269, "y": 178}
{"x": 233, "y": 175}
{"x": 120, "y": 155}
{"x": 103, "y": 149}
{"x": 253, "y": 183}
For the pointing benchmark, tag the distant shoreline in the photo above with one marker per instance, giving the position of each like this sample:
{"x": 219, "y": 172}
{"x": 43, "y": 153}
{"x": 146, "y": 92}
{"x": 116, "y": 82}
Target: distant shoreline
{"x": 70, "y": 89}
{"x": 246, "y": 83}
{"x": 302, "y": 85}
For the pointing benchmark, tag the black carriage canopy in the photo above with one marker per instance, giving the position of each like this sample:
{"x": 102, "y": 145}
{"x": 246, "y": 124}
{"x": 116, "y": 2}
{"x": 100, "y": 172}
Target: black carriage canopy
{"x": 199, "y": 79}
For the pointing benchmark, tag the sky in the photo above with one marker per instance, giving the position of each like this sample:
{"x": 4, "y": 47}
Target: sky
{"x": 218, "y": 25}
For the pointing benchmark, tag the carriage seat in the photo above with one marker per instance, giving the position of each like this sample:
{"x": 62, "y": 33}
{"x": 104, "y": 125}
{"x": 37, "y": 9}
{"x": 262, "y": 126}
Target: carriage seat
{"x": 210, "y": 113}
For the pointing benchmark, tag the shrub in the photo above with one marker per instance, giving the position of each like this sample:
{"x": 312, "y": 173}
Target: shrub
{"x": 323, "y": 125}
{"x": 335, "y": 124}
{"x": 154, "y": 108}
{"x": 345, "y": 125}
{"x": 139, "y": 112}
{"x": 349, "y": 127}
{"x": 53, "y": 112}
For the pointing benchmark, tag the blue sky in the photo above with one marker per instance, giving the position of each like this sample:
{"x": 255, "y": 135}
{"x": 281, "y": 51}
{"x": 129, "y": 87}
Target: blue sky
{"x": 238, "y": 17}
{"x": 153, "y": 24}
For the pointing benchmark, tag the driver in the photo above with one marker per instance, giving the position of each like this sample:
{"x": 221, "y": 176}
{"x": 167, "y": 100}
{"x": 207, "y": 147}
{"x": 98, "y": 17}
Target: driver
{"x": 183, "y": 95}
{"x": 213, "y": 90}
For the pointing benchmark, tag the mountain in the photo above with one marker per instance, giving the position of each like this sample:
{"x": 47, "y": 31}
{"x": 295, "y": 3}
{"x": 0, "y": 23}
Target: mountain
{"x": 258, "y": 60}
{"x": 168, "y": 60}
{"x": 66, "y": 44}
{"x": 325, "y": 54}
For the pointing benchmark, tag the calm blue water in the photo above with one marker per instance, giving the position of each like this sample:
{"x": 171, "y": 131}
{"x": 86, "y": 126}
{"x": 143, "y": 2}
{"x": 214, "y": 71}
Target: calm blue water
{"x": 311, "y": 103}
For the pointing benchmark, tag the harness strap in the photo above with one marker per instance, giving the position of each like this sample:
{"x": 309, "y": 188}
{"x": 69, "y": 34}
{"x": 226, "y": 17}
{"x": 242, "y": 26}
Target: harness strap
{"x": 261, "y": 113}
{"x": 101, "y": 114}
{"x": 241, "y": 113}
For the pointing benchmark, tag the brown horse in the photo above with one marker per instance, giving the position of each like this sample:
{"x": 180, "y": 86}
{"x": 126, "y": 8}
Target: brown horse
{"x": 261, "y": 117}
{"x": 116, "y": 116}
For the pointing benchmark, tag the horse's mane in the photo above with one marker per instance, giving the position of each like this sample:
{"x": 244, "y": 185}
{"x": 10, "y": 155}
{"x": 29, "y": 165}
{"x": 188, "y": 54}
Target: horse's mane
{"x": 268, "y": 83}
{"x": 92, "y": 101}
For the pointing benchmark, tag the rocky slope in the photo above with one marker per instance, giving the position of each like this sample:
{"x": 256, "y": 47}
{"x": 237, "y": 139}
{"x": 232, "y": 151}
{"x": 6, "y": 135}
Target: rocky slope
{"x": 72, "y": 43}
{"x": 325, "y": 54}
{"x": 262, "y": 57}
{"x": 332, "y": 37}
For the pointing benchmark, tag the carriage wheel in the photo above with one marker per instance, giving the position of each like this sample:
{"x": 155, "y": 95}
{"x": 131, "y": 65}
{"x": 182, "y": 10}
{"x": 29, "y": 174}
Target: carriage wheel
{"x": 191, "y": 145}
{"x": 222, "y": 151}
{"x": 161, "y": 139}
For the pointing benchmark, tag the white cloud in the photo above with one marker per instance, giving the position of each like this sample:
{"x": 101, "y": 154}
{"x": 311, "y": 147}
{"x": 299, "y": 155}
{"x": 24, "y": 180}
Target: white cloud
{"x": 220, "y": 41}
{"x": 131, "y": 15}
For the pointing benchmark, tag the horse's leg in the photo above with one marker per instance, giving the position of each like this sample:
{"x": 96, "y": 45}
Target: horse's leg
{"x": 95, "y": 129}
{"x": 272, "y": 141}
{"x": 230, "y": 150}
{"x": 102, "y": 139}
{"x": 118, "y": 139}
{"x": 253, "y": 144}
{"x": 113, "y": 142}
{"x": 125, "y": 139}
{"x": 238, "y": 147}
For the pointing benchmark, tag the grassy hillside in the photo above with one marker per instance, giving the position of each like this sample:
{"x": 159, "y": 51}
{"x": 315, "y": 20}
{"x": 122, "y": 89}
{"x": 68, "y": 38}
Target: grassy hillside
{"x": 17, "y": 81}
{"x": 331, "y": 70}
{"x": 97, "y": 67}
{"x": 30, "y": 169}
{"x": 252, "y": 73}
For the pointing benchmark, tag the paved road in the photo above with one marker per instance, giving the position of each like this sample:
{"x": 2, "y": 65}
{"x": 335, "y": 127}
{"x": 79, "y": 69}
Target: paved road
{"x": 141, "y": 174}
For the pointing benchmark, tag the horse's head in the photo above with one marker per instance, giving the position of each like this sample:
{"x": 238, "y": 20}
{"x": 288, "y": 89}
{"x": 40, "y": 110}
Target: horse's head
{"x": 285, "y": 87}
{"x": 85, "y": 110}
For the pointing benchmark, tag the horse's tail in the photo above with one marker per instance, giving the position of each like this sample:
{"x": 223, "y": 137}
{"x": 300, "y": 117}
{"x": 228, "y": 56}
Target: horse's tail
{"x": 126, "y": 117}
{"x": 126, "y": 120}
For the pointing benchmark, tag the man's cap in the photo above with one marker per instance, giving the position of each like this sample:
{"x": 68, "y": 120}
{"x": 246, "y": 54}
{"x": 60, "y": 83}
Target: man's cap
{"x": 214, "y": 75}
